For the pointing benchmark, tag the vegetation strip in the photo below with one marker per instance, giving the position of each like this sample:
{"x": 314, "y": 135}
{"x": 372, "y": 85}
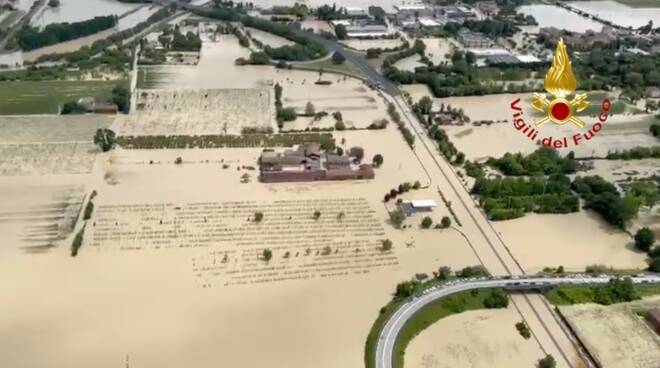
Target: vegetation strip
{"x": 222, "y": 141}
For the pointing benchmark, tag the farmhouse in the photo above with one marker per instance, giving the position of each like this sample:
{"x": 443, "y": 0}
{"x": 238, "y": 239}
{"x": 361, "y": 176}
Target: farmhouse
{"x": 308, "y": 164}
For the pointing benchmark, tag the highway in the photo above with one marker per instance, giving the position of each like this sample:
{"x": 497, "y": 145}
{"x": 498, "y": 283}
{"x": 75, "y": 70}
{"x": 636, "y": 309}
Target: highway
{"x": 388, "y": 336}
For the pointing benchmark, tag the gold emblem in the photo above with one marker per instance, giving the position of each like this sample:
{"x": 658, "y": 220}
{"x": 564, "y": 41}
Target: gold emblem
{"x": 560, "y": 84}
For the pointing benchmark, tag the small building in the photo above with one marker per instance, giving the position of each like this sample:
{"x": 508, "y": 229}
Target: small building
{"x": 459, "y": 13}
{"x": 652, "y": 92}
{"x": 488, "y": 8}
{"x": 356, "y": 13}
{"x": 653, "y": 317}
{"x": 367, "y": 30}
{"x": 414, "y": 11}
{"x": 473, "y": 39}
{"x": 410, "y": 208}
{"x": 430, "y": 23}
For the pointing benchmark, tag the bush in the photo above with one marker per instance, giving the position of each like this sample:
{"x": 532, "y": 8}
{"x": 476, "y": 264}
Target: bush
{"x": 287, "y": 114}
{"x": 338, "y": 58}
{"x": 445, "y": 222}
{"x": 427, "y": 222}
{"x": 523, "y": 329}
{"x": 377, "y": 160}
{"x": 496, "y": 299}
{"x": 547, "y": 362}
{"x": 473, "y": 271}
{"x": 105, "y": 139}
{"x": 77, "y": 242}
{"x": 397, "y": 217}
{"x": 258, "y": 216}
{"x": 89, "y": 209}
{"x": 267, "y": 254}
{"x": 386, "y": 245}
{"x": 644, "y": 239}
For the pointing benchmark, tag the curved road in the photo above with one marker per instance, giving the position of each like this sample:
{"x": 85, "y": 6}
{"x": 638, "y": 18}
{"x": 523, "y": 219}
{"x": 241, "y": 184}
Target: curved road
{"x": 389, "y": 334}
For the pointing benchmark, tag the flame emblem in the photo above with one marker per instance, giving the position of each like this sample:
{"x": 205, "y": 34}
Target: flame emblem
{"x": 560, "y": 83}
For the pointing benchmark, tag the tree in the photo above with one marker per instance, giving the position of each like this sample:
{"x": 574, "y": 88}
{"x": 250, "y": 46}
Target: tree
{"x": 357, "y": 152}
{"x": 287, "y": 114}
{"x": 338, "y": 58}
{"x": 445, "y": 222}
{"x": 122, "y": 98}
{"x": 425, "y": 105}
{"x": 340, "y": 31}
{"x": 397, "y": 217}
{"x": 460, "y": 158}
{"x": 267, "y": 254}
{"x": 258, "y": 216}
{"x": 337, "y": 116}
{"x": 316, "y": 215}
{"x": 496, "y": 299}
{"x": 644, "y": 239}
{"x": 339, "y": 125}
{"x": 654, "y": 266}
{"x": 53, "y": 3}
{"x": 341, "y": 215}
{"x": 386, "y": 245}
{"x": 377, "y": 160}
{"x": 105, "y": 139}
{"x": 427, "y": 222}
{"x": 178, "y": 160}
{"x": 547, "y": 362}
{"x": 444, "y": 272}
{"x": 417, "y": 185}
{"x": 71, "y": 107}
{"x": 310, "y": 110}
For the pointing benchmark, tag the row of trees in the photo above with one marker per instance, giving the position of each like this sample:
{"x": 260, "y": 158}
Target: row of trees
{"x": 220, "y": 140}
{"x": 396, "y": 117}
{"x": 508, "y": 198}
{"x": 303, "y": 49}
{"x": 543, "y": 161}
{"x": 30, "y": 38}
{"x": 636, "y": 153}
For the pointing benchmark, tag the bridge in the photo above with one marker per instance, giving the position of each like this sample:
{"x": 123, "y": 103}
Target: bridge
{"x": 391, "y": 330}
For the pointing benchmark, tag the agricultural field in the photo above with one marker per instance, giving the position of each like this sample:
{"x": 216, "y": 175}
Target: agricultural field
{"x": 478, "y": 338}
{"x": 46, "y": 97}
{"x": 616, "y": 335}
{"x": 198, "y": 112}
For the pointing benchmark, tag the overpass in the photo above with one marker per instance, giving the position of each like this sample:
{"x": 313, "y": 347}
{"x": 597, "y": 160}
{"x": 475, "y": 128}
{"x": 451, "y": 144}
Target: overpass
{"x": 388, "y": 335}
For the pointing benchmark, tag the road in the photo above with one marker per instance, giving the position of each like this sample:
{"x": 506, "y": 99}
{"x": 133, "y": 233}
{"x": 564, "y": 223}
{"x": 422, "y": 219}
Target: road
{"x": 387, "y": 338}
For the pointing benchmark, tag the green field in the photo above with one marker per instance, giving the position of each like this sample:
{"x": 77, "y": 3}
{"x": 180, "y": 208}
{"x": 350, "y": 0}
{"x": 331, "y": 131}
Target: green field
{"x": 568, "y": 295}
{"x": 45, "y": 97}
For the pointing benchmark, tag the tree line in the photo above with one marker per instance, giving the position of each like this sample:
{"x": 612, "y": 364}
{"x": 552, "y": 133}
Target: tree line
{"x": 30, "y": 38}
{"x": 304, "y": 48}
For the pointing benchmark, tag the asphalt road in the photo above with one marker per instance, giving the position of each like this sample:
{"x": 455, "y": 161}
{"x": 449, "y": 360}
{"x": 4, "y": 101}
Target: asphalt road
{"x": 388, "y": 336}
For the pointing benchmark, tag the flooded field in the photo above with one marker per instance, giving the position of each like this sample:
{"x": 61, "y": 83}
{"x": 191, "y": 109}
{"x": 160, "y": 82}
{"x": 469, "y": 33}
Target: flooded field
{"x": 618, "y": 13}
{"x": 536, "y": 243}
{"x": 409, "y": 63}
{"x": 554, "y": 16}
{"x": 79, "y": 10}
{"x": 186, "y": 278}
{"x": 476, "y": 339}
{"x": 437, "y": 49}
